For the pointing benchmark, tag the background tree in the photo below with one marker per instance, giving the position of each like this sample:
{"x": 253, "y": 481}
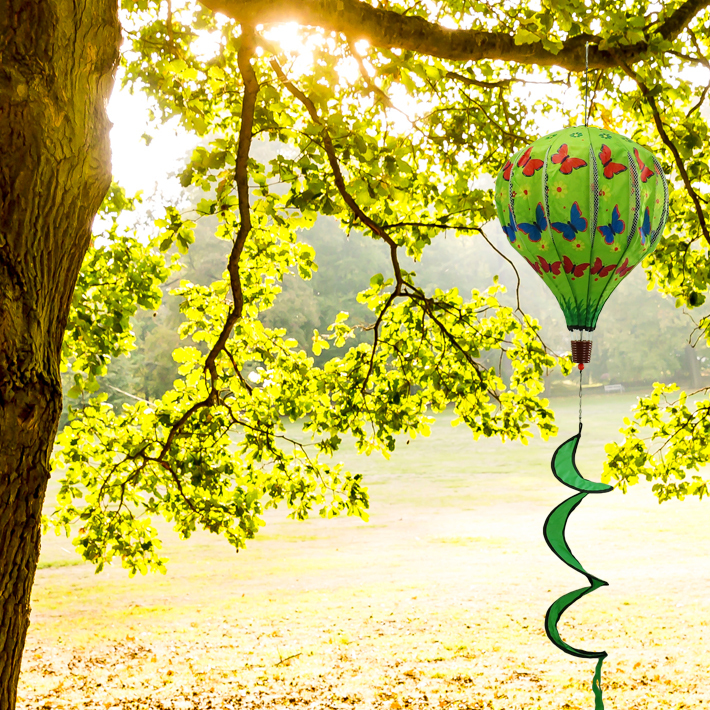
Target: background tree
{"x": 396, "y": 139}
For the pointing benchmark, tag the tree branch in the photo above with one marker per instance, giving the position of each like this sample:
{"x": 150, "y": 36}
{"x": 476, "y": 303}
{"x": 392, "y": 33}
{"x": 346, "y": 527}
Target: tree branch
{"x": 329, "y": 148}
{"x": 241, "y": 176}
{"x": 389, "y": 29}
{"x": 401, "y": 286}
{"x": 700, "y": 102}
{"x": 680, "y": 164}
{"x": 371, "y": 85}
{"x": 470, "y": 81}
{"x": 426, "y": 305}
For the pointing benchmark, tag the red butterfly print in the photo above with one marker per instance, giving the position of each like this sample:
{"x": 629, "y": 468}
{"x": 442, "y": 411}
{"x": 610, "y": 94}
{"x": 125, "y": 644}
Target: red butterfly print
{"x": 645, "y": 172}
{"x": 576, "y": 270}
{"x": 534, "y": 264}
{"x": 624, "y": 269}
{"x": 554, "y": 267}
{"x": 528, "y": 164}
{"x": 566, "y": 162}
{"x": 507, "y": 169}
{"x": 610, "y": 169}
{"x": 599, "y": 268}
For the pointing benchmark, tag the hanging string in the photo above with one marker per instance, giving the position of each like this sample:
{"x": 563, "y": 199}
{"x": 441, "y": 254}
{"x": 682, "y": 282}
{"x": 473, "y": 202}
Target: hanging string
{"x": 580, "y": 400}
{"x": 586, "y": 79}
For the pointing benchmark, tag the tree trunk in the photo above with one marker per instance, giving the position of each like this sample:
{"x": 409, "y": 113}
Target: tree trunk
{"x": 57, "y": 61}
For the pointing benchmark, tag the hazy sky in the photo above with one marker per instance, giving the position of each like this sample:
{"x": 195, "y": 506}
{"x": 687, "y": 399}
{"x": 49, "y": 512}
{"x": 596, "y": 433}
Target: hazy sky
{"x": 137, "y": 166}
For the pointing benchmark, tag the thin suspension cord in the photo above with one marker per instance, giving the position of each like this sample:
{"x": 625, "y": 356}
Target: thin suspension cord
{"x": 586, "y": 79}
{"x": 580, "y": 398}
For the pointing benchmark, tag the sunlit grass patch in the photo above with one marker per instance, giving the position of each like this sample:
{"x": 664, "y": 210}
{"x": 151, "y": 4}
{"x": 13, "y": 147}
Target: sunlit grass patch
{"x": 55, "y": 564}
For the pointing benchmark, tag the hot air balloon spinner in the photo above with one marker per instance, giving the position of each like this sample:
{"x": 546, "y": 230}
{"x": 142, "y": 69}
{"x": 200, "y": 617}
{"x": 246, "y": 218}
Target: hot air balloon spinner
{"x": 583, "y": 206}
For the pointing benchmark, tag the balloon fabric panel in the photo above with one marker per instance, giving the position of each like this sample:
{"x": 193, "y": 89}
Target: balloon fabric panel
{"x": 541, "y": 254}
{"x": 583, "y": 206}
{"x": 618, "y": 206}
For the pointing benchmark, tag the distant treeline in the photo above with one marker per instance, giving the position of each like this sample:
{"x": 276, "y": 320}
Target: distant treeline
{"x": 642, "y": 337}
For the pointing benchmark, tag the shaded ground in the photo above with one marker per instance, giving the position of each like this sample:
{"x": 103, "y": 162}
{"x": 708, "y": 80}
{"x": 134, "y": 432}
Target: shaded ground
{"x": 437, "y": 602}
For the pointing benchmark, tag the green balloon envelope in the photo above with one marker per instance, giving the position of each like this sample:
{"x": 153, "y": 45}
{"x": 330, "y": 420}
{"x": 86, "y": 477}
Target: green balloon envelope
{"x": 584, "y": 206}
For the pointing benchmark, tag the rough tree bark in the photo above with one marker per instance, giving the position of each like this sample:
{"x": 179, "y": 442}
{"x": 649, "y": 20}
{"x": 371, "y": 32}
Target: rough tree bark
{"x": 57, "y": 62}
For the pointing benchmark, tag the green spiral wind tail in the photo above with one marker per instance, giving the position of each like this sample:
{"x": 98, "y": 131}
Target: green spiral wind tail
{"x": 565, "y": 470}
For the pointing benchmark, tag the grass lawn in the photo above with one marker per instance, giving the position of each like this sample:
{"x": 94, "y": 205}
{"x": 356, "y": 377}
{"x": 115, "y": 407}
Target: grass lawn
{"x": 437, "y": 602}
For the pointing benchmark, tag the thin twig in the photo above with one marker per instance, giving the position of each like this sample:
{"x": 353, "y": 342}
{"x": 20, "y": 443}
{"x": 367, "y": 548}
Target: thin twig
{"x": 434, "y": 225}
{"x": 376, "y": 335}
{"x": 512, "y": 266}
{"x": 700, "y": 102}
{"x": 470, "y": 81}
{"x": 366, "y": 77}
{"x": 694, "y": 60}
{"x": 288, "y": 658}
{"x": 128, "y": 394}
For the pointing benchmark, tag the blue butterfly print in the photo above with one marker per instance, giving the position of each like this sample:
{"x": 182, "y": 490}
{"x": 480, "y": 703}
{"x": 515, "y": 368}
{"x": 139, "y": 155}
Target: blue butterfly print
{"x": 576, "y": 224}
{"x": 645, "y": 227}
{"x": 510, "y": 229}
{"x": 617, "y": 226}
{"x": 535, "y": 230}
